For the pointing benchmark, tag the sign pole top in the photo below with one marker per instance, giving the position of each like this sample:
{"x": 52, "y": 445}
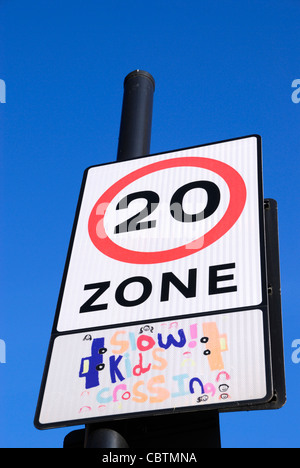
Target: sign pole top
{"x": 136, "y": 117}
{"x": 139, "y": 73}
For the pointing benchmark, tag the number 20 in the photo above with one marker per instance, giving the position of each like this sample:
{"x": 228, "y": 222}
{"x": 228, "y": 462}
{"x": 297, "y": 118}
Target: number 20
{"x": 176, "y": 209}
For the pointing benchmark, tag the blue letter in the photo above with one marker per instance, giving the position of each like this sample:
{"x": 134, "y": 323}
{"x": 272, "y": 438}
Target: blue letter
{"x": 102, "y": 399}
{"x": 114, "y": 368}
{"x": 171, "y": 340}
{"x": 180, "y": 379}
{"x": 195, "y": 379}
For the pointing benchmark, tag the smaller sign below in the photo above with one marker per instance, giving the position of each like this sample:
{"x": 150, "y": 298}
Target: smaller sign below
{"x": 189, "y": 363}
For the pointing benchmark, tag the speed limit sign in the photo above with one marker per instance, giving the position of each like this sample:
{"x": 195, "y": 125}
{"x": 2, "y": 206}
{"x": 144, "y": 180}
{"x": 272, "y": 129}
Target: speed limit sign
{"x": 163, "y": 302}
{"x": 166, "y": 235}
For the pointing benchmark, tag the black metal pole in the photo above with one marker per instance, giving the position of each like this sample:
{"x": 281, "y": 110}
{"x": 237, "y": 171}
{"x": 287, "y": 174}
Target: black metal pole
{"x": 134, "y": 141}
{"x": 136, "y": 118}
{"x": 97, "y": 436}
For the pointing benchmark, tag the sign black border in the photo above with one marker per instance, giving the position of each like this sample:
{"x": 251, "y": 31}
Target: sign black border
{"x": 263, "y": 306}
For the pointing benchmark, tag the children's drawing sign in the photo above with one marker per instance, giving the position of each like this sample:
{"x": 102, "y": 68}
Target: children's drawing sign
{"x": 163, "y": 302}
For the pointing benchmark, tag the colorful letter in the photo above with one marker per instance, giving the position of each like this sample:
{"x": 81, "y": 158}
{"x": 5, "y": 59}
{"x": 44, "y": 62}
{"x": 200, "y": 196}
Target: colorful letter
{"x": 139, "y": 369}
{"x": 114, "y": 370}
{"x": 139, "y": 397}
{"x": 162, "y": 393}
{"x": 123, "y": 344}
{"x": 163, "y": 361}
{"x": 102, "y": 399}
{"x": 216, "y": 344}
{"x": 171, "y": 340}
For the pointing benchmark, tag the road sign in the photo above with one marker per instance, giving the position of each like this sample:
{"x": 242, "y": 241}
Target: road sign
{"x": 163, "y": 302}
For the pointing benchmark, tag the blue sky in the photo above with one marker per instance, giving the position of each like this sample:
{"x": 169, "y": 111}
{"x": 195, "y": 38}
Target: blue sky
{"x": 223, "y": 69}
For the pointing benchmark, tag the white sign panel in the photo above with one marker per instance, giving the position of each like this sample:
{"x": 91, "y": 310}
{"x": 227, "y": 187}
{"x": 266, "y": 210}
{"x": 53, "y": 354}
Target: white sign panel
{"x": 192, "y": 363}
{"x": 157, "y": 239}
{"x": 166, "y": 235}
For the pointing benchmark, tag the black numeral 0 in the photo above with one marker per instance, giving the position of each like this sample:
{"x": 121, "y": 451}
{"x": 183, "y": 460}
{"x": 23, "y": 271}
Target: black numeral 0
{"x": 176, "y": 209}
{"x": 213, "y": 200}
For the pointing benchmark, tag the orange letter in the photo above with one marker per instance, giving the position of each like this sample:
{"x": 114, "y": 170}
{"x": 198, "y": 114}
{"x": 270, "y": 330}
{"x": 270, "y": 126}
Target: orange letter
{"x": 163, "y": 361}
{"x": 162, "y": 393}
{"x": 215, "y": 346}
{"x": 123, "y": 344}
{"x": 142, "y": 397}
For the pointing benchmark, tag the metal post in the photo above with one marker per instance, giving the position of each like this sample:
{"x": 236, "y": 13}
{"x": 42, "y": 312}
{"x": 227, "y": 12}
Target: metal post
{"x": 134, "y": 141}
{"x": 136, "y": 119}
{"x": 103, "y": 437}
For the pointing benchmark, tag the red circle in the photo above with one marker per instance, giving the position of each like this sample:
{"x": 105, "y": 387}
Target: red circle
{"x": 237, "y": 200}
